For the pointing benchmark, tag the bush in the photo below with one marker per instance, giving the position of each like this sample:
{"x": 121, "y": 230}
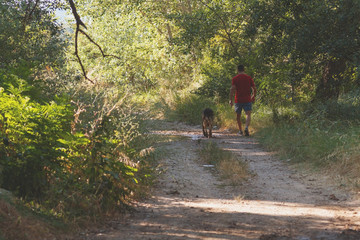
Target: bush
{"x": 101, "y": 169}
{"x": 319, "y": 135}
{"x": 104, "y": 162}
{"x": 76, "y": 165}
{"x": 345, "y": 108}
{"x": 29, "y": 147}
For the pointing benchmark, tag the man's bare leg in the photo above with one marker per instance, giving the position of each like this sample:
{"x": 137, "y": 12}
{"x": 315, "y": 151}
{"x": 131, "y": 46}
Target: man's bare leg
{"x": 247, "y": 123}
{"x": 248, "y": 119}
{"x": 238, "y": 119}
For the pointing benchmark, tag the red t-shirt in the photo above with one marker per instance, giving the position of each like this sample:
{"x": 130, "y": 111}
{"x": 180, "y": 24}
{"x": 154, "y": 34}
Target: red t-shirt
{"x": 243, "y": 84}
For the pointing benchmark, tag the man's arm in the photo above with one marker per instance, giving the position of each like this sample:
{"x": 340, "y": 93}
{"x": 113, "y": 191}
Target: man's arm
{"x": 253, "y": 94}
{"x": 231, "y": 96}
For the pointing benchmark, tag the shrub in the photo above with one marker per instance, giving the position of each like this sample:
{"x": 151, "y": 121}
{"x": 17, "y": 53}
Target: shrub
{"x": 103, "y": 161}
{"x": 319, "y": 135}
{"x": 29, "y": 147}
{"x": 75, "y": 165}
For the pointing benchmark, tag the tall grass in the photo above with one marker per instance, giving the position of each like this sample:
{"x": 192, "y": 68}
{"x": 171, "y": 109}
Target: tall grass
{"x": 188, "y": 109}
{"x": 324, "y": 138}
{"x": 226, "y": 117}
{"x": 304, "y": 142}
{"x": 231, "y": 167}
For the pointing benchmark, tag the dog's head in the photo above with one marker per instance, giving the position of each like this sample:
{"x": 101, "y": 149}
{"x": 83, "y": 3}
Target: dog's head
{"x": 208, "y": 113}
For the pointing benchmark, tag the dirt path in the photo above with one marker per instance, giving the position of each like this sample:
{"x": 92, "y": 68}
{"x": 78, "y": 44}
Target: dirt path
{"x": 191, "y": 202}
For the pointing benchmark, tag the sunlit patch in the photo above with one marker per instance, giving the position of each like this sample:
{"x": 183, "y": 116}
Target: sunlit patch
{"x": 265, "y": 208}
{"x": 271, "y": 208}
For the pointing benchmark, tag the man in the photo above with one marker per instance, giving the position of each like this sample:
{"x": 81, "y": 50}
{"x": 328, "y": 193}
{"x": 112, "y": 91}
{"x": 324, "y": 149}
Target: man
{"x": 245, "y": 91}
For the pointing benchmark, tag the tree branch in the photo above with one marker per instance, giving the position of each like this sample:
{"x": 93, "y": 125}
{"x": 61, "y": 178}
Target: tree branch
{"x": 79, "y": 23}
{"x": 78, "y": 30}
{"x": 76, "y": 15}
{"x": 27, "y": 16}
{"x": 92, "y": 41}
{"x": 77, "y": 53}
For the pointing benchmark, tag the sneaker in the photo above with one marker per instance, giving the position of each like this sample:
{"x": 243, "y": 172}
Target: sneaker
{"x": 247, "y": 132}
{"x": 240, "y": 133}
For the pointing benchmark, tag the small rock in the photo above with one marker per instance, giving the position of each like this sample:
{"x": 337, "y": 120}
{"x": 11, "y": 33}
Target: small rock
{"x": 333, "y": 197}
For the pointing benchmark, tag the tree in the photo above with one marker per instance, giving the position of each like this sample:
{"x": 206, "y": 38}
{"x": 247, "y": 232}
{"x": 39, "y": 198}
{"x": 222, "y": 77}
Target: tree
{"x": 78, "y": 146}
{"x": 210, "y": 32}
{"x": 28, "y": 33}
{"x": 321, "y": 34}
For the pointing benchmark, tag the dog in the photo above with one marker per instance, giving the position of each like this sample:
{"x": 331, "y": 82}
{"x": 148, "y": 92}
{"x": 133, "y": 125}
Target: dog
{"x": 207, "y": 122}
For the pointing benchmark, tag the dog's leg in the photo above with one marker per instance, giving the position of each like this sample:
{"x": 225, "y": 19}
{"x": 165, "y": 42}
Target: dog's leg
{"x": 210, "y": 130}
{"x": 204, "y": 129}
{"x": 207, "y": 121}
{"x": 205, "y": 133}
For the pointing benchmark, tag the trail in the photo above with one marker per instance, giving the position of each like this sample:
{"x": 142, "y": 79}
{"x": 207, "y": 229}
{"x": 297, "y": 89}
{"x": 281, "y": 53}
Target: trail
{"x": 277, "y": 202}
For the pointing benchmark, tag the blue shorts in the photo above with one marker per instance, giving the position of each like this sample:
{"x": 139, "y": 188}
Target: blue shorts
{"x": 240, "y": 106}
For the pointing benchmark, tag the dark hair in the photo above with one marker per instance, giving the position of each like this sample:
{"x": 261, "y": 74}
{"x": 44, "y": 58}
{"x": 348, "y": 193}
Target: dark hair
{"x": 241, "y": 68}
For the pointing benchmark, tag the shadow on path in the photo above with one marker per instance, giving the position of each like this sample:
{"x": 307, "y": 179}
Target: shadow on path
{"x": 190, "y": 202}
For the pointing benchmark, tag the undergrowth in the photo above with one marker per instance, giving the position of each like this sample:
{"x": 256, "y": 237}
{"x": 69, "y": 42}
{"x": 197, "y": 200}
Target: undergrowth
{"x": 323, "y": 137}
{"x": 188, "y": 109}
{"x": 19, "y": 222}
{"x": 78, "y": 161}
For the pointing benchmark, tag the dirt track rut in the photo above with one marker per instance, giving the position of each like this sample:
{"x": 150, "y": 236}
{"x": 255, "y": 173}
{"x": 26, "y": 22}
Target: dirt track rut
{"x": 191, "y": 202}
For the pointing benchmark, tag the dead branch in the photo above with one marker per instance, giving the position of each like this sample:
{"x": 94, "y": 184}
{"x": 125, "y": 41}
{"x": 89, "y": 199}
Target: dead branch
{"x": 102, "y": 52}
{"x": 78, "y": 30}
{"x": 77, "y": 53}
{"x": 76, "y": 15}
{"x": 79, "y": 23}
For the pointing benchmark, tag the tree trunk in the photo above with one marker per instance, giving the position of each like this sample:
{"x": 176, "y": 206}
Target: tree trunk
{"x": 331, "y": 81}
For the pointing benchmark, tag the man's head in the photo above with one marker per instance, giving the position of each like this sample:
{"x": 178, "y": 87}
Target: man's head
{"x": 241, "y": 68}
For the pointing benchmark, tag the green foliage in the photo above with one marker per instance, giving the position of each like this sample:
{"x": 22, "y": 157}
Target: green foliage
{"x": 144, "y": 60}
{"x": 71, "y": 167}
{"x": 311, "y": 143}
{"x": 98, "y": 177}
{"x": 226, "y": 117}
{"x": 196, "y": 23}
{"x": 83, "y": 150}
{"x": 318, "y": 136}
{"x": 33, "y": 37}
{"x": 346, "y": 108}
{"x": 217, "y": 77}
{"x": 309, "y": 38}
{"x": 103, "y": 163}
{"x": 30, "y": 133}
{"x": 32, "y": 119}
{"x": 32, "y": 48}
{"x": 78, "y": 154}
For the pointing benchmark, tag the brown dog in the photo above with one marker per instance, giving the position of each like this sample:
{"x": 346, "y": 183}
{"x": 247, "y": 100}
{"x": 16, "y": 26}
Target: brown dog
{"x": 207, "y": 122}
